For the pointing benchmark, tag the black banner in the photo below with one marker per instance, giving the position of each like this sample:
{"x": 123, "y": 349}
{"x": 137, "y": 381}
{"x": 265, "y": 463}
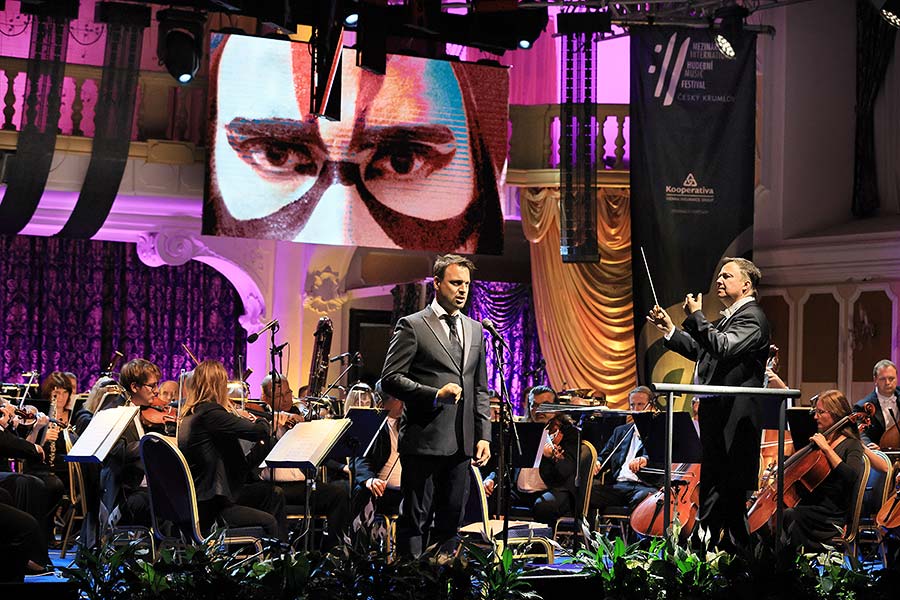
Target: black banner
{"x": 692, "y": 174}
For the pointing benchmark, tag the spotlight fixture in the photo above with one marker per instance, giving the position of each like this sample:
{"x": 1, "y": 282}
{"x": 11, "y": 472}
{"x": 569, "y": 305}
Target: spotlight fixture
{"x": 731, "y": 24}
{"x": 180, "y": 43}
{"x": 890, "y": 11}
{"x": 351, "y": 20}
{"x": 524, "y": 44}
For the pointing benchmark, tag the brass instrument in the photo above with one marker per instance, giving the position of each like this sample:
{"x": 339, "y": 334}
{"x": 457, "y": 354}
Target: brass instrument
{"x": 51, "y": 412}
{"x": 318, "y": 370}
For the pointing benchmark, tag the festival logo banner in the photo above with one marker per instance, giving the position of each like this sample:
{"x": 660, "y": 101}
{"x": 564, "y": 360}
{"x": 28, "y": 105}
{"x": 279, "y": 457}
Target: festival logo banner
{"x": 692, "y": 175}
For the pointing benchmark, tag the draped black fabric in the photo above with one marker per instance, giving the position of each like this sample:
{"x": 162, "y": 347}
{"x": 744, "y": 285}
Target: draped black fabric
{"x": 874, "y": 48}
{"x": 112, "y": 134}
{"x": 37, "y": 139}
{"x": 69, "y": 304}
{"x": 406, "y": 300}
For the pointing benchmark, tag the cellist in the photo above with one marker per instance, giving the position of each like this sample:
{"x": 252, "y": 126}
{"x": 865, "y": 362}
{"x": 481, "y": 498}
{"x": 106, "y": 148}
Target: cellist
{"x": 822, "y": 512}
{"x": 624, "y": 457}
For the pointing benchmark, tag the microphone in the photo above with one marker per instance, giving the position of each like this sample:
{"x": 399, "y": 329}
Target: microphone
{"x": 489, "y": 327}
{"x": 339, "y": 357}
{"x": 358, "y": 359}
{"x": 255, "y": 336}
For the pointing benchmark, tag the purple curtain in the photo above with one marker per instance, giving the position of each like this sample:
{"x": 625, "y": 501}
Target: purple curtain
{"x": 511, "y": 308}
{"x": 70, "y": 304}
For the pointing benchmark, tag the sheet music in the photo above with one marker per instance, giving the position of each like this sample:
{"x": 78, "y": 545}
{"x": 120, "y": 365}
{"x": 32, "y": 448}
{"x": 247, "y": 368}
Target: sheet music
{"x": 104, "y": 430}
{"x": 306, "y": 444}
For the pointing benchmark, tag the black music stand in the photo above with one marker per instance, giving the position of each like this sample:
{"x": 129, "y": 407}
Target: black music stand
{"x": 802, "y": 426}
{"x": 530, "y": 436}
{"x": 686, "y": 446}
{"x": 366, "y": 423}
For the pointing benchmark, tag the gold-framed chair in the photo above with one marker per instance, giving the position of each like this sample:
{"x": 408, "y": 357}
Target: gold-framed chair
{"x": 173, "y": 499}
{"x": 77, "y": 501}
{"x": 848, "y": 539}
{"x": 522, "y": 536}
{"x": 878, "y": 489}
{"x": 567, "y": 526}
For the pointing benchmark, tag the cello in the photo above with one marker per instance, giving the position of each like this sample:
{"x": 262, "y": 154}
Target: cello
{"x": 889, "y": 514}
{"x": 805, "y": 469}
{"x": 647, "y": 517}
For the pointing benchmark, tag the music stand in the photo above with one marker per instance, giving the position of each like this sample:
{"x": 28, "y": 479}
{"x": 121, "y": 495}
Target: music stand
{"x": 530, "y": 436}
{"x": 686, "y": 446}
{"x": 364, "y": 427}
{"x": 802, "y": 426}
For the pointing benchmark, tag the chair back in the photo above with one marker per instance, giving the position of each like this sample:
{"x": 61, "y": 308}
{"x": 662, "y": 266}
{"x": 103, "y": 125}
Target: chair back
{"x": 76, "y": 477}
{"x": 476, "y": 509}
{"x": 856, "y": 507}
{"x": 173, "y": 498}
{"x": 878, "y": 487}
{"x": 586, "y": 472}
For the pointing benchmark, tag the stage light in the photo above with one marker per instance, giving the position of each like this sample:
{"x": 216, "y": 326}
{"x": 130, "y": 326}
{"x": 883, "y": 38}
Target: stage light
{"x": 890, "y": 11}
{"x": 524, "y": 44}
{"x": 731, "y": 24}
{"x": 180, "y": 43}
{"x": 351, "y": 20}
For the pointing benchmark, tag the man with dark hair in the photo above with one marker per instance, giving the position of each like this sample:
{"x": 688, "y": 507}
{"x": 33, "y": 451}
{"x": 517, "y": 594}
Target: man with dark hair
{"x": 731, "y": 351}
{"x": 885, "y": 399}
{"x": 435, "y": 365}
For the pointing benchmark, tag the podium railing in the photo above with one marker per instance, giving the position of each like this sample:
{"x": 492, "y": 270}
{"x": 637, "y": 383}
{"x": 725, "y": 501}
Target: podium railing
{"x": 671, "y": 389}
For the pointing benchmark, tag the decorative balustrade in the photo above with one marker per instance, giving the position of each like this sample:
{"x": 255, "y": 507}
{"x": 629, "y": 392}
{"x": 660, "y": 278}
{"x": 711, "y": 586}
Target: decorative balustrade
{"x": 165, "y": 110}
{"x": 535, "y": 144}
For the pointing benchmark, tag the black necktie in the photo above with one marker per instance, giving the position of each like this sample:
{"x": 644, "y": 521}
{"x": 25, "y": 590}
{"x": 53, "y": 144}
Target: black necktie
{"x": 456, "y": 349}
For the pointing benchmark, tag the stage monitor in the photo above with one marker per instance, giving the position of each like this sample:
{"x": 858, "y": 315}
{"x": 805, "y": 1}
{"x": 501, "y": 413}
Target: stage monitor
{"x": 413, "y": 163}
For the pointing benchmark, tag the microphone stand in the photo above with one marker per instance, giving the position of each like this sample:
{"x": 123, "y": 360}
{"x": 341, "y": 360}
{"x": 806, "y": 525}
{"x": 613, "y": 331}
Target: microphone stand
{"x": 507, "y": 425}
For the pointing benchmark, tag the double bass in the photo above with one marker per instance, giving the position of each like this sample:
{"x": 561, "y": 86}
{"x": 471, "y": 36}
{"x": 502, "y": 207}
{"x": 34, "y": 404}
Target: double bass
{"x": 803, "y": 470}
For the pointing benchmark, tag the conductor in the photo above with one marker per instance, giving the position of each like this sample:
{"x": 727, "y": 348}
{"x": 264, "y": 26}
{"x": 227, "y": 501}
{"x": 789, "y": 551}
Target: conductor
{"x": 730, "y": 351}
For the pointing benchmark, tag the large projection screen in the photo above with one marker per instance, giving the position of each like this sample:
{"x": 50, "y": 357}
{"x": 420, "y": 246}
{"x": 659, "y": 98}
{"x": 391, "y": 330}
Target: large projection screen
{"x": 413, "y": 163}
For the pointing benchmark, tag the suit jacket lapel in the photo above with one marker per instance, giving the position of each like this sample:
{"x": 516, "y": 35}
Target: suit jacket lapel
{"x": 467, "y": 338}
{"x": 434, "y": 323}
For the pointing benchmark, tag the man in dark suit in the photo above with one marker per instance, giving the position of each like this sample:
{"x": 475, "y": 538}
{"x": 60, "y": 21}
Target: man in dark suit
{"x": 435, "y": 366}
{"x": 731, "y": 351}
{"x": 625, "y": 457}
{"x": 378, "y": 474}
{"x": 884, "y": 397}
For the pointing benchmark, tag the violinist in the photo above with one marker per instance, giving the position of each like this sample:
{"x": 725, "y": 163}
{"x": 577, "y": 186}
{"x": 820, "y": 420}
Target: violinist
{"x": 625, "y": 461}
{"x": 209, "y": 437}
{"x": 557, "y": 471}
{"x": 329, "y": 499}
{"x": 378, "y": 472}
{"x": 884, "y": 397}
{"x": 168, "y": 392}
{"x": 122, "y": 474}
{"x": 822, "y": 512}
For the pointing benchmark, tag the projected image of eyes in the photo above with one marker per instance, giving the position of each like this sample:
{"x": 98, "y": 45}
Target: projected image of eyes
{"x": 277, "y": 149}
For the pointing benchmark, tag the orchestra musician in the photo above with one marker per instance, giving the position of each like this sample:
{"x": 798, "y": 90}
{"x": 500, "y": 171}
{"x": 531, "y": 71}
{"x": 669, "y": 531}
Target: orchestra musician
{"x": 330, "y": 499}
{"x": 884, "y": 397}
{"x": 209, "y": 437}
{"x": 378, "y": 474}
{"x": 731, "y": 351}
{"x": 168, "y": 392}
{"x": 822, "y": 512}
{"x": 529, "y": 485}
{"x": 626, "y": 461}
{"x": 435, "y": 365}
{"x": 557, "y": 470}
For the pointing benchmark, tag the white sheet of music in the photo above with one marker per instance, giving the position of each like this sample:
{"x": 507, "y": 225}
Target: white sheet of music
{"x": 104, "y": 430}
{"x": 306, "y": 444}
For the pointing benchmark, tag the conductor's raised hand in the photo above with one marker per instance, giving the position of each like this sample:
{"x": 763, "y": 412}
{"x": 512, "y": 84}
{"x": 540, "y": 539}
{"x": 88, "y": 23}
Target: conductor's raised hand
{"x": 450, "y": 393}
{"x": 692, "y": 304}
{"x": 661, "y": 319}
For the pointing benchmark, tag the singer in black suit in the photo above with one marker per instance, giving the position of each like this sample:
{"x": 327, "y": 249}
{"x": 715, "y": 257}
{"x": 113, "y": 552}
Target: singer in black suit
{"x": 885, "y": 397}
{"x": 435, "y": 366}
{"x": 731, "y": 351}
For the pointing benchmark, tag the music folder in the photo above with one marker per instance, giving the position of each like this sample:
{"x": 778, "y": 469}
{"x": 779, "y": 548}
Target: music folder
{"x": 306, "y": 445}
{"x": 103, "y": 431}
{"x": 358, "y": 441}
{"x": 685, "y": 438}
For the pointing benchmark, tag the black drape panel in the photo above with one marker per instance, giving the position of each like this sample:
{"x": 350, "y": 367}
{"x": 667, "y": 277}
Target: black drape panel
{"x": 874, "y": 49}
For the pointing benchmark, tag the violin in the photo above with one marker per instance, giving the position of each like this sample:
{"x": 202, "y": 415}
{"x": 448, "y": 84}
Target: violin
{"x": 804, "y": 470}
{"x": 647, "y": 517}
{"x": 158, "y": 418}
